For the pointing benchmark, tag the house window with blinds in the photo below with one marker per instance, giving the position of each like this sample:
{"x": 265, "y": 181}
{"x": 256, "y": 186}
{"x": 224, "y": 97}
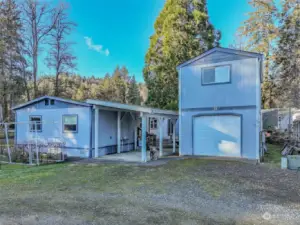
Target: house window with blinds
{"x": 216, "y": 75}
{"x": 70, "y": 123}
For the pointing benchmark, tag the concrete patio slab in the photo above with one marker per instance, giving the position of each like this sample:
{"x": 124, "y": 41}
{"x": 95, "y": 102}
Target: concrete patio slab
{"x": 132, "y": 156}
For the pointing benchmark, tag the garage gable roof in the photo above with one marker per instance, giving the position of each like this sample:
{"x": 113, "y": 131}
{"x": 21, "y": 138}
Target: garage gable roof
{"x": 224, "y": 50}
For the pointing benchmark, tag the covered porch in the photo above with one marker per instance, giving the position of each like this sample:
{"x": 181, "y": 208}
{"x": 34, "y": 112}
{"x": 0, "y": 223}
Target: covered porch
{"x": 115, "y": 131}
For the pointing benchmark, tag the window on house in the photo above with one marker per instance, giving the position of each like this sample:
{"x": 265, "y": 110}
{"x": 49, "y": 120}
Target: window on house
{"x": 35, "y": 123}
{"x": 216, "y": 75}
{"x": 70, "y": 123}
{"x": 46, "y": 101}
{"x": 153, "y": 123}
{"x": 52, "y": 102}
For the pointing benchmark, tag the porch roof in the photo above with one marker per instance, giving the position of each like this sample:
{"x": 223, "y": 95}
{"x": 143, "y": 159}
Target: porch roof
{"x": 134, "y": 108}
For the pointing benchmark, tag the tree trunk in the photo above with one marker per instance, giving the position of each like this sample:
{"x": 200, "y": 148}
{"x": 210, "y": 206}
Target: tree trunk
{"x": 35, "y": 55}
{"x": 35, "y": 67}
{"x": 5, "y": 105}
{"x": 56, "y": 92}
{"x": 26, "y": 85}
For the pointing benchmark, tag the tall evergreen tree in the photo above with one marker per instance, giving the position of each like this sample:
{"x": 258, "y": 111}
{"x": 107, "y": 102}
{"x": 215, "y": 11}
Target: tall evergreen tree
{"x": 119, "y": 82}
{"x": 11, "y": 85}
{"x": 182, "y": 31}
{"x": 133, "y": 92}
{"x": 260, "y": 30}
{"x": 288, "y": 54}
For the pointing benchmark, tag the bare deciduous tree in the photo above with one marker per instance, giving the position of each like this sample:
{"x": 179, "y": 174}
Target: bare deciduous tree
{"x": 37, "y": 25}
{"x": 60, "y": 57}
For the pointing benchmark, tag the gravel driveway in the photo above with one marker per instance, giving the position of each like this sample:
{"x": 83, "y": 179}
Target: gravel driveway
{"x": 188, "y": 191}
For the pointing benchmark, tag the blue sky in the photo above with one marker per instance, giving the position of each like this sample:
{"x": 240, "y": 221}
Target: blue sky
{"x": 116, "y": 32}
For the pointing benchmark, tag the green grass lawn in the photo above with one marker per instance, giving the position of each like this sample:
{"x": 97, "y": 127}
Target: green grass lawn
{"x": 273, "y": 156}
{"x": 73, "y": 188}
{"x": 188, "y": 191}
{"x": 114, "y": 178}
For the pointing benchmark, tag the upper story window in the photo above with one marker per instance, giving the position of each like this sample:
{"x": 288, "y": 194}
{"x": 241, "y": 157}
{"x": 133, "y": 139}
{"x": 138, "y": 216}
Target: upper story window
{"x": 52, "y": 102}
{"x": 216, "y": 75}
{"x": 46, "y": 101}
{"x": 70, "y": 123}
{"x": 35, "y": 123}
{"x": 153, "y": 123}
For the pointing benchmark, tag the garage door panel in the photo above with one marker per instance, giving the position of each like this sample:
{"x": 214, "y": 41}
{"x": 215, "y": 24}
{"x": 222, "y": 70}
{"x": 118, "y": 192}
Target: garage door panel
{"x": 217, "y": 135}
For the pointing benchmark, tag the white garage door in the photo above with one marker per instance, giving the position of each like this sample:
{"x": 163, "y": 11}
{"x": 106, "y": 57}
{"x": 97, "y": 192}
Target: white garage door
{"x": 217, "y": 135}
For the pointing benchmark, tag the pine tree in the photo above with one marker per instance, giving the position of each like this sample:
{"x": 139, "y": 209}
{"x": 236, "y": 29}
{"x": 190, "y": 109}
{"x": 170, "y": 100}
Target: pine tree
{"x": 182, "y": 31}
{"x": 11, "y": 85}
{"x": 119, "y": 84}
{"x": 133, "y": 92}
{"x": 288, "y": 54}
{"x": 261, "y": 31}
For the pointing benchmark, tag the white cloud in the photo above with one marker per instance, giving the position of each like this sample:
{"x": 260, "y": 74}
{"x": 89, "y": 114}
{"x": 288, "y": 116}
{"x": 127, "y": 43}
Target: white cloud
{"x": 97, "y": 48}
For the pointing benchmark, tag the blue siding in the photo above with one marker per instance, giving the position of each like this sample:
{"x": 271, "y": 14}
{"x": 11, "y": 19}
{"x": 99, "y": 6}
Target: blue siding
{"x": 107, "y": 128}
{"x": 108, "y": 131}
{"x": 248, "y": 131}
{"x": 77, "y": 144}
{"x": 237, "y": 97}
{"x": 240, "y": 92}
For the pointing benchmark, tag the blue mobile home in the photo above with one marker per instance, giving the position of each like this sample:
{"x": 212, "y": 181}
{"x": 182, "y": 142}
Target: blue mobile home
{"x": 62, "y": 119}
{"x": 219, "y": 104}
{"x": 89, "y": 129}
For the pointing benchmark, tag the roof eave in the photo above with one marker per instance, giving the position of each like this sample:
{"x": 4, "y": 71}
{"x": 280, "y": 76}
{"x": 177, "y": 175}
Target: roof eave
{"x": 136, "y": 108}
{"x": 226, "y": 50}
{"x": 49, "y": 97}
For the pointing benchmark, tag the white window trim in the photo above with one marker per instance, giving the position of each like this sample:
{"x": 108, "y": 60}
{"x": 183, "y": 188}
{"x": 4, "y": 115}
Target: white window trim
{"x": 31, "y": 124}
{"x": 63, "y": 124}
{"x": 214, "y": 67}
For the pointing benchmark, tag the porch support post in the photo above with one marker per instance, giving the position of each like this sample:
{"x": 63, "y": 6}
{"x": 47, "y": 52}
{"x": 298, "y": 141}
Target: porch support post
{"x": 119, "y": 132}
{"x": 174, "y": 135}
{"x": 135, "y": 134}
{"x": 96, "y": 132}
{"x": 161, "y": 153}
{"x": 144, "y": 138}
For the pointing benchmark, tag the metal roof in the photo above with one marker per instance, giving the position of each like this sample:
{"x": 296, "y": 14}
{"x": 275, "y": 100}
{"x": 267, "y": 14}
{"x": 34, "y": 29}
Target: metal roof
{"x": 219, "y": 49}
{"x": 136, "y": 108}
{"x": 105, "y": 104}
{"x": 50, "y": 97}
